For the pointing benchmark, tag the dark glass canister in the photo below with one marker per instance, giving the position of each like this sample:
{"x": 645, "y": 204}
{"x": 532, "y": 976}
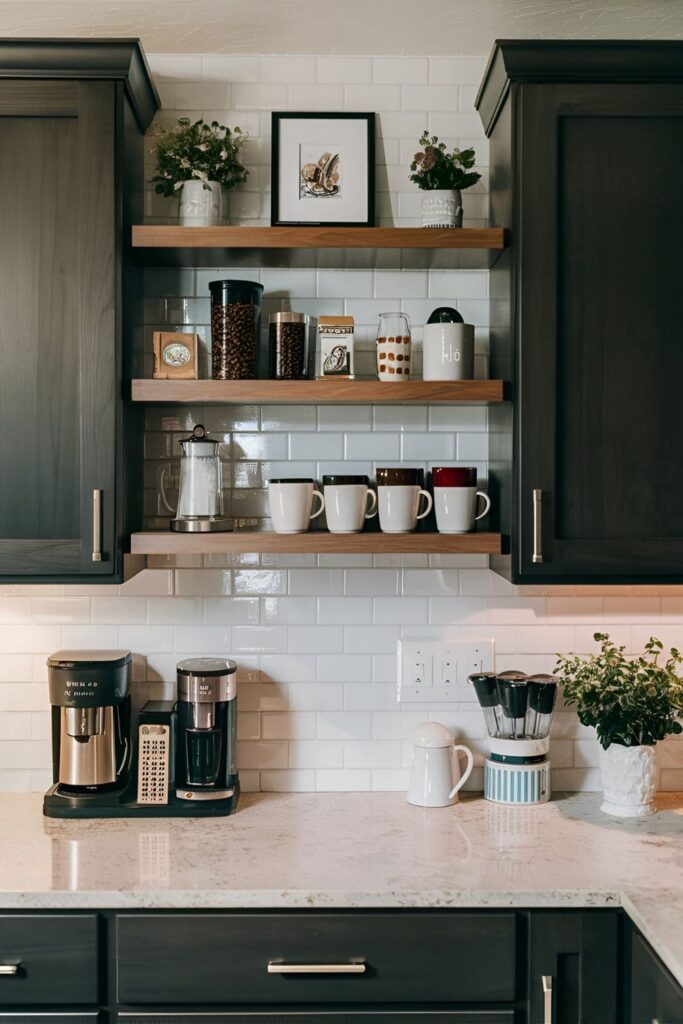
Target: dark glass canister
{"x": 235, "y": 320}
{"x": 287, "y": 346}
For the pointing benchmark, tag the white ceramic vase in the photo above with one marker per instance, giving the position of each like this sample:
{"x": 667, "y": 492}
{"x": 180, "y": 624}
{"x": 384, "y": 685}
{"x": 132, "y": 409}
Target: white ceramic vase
{"x": 201, "y": 207}
{"x": 628, "y": 780}
{"x": 442, "y": 208}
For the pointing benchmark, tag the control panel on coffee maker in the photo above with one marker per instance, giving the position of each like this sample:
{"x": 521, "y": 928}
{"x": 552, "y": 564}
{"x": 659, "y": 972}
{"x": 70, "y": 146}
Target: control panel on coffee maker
{"x": 167, "y": 759}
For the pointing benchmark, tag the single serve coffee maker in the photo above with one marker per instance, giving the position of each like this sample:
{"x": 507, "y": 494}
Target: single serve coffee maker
{"x": 163, "y": 759}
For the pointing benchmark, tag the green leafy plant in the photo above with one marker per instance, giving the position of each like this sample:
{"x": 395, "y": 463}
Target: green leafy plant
{"x": 630, "y": 701}
{"x": 434, "y": 167}
{"x": 197, "y": 151}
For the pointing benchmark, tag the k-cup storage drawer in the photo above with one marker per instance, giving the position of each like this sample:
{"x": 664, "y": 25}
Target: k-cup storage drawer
{"x": 310, "y": 957}
{"x": 48, "y": 959}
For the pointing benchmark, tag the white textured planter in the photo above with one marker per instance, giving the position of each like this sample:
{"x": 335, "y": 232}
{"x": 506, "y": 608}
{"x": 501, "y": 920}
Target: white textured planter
{"x": 201, "y": 207}
{"x": 628, "y": 780}
{"x": 442, "y": 208}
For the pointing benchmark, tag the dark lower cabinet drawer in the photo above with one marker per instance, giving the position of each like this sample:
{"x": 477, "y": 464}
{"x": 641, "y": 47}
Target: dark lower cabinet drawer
{"x": 49, "y": 1018}
{"x": 55, "y": 956}
{"x": 407, "y": 957}
{"x": 347, "y": 1017}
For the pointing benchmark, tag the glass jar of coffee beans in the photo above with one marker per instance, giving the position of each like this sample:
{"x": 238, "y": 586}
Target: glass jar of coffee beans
{"x": 235, "y": 319}
{"x": 287, "y": 346}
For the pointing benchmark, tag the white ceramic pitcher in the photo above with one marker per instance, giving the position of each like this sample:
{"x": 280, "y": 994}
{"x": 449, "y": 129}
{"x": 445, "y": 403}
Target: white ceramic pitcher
{"x": 435, "y": 776}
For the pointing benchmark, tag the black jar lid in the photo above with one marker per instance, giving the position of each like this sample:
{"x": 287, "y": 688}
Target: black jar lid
{"x": 291, "y": 480}
{"x": 445, "y": 315}
{"x": 233, "y": 290}
{"x": 339, "y": 480}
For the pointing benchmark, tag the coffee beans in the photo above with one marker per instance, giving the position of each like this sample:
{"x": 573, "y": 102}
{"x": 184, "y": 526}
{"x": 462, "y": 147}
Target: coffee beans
{"x": 234, "y": 328}
{"x": 287, "y": 350}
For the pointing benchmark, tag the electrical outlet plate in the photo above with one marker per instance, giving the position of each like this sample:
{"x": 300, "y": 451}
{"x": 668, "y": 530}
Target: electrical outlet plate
{"x": 437, "y": 671}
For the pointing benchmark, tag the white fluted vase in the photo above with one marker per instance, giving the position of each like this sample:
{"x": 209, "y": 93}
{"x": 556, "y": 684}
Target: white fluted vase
{"x": 442, "y": 208}
{"x": 201, "y": 207}
{"x": 628, "y": 780}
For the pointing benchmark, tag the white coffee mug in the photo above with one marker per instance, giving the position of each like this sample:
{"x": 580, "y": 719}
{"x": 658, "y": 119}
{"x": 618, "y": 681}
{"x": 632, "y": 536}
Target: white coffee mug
{"x": 348, "y": 503}
{"x": 291, "y": 504}
{"x": 456, "y": 508}
{"x": 399, "y": 507}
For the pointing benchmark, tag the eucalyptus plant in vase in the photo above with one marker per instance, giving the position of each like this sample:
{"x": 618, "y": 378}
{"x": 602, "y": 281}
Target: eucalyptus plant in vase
{"x": 443, "y": 176}
{"x": 199, "y": 162}
{"x": 632, "y": 703}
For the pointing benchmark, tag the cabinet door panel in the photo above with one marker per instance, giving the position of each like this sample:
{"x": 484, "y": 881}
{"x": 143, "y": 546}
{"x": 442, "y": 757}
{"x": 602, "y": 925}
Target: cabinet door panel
{"x": 57, "y": 330}
{"x": 600, "y": 355}
{"x": 655, "y": 995}
{"x": 579, "y": 952}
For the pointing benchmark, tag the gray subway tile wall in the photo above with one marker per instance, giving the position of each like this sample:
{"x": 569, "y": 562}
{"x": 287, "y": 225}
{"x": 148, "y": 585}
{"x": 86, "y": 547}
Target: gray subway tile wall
{"x": 315, "y": 636}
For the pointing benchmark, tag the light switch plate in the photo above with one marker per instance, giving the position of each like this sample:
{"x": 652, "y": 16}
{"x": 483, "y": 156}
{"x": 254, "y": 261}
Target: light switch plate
{"x": 436, "y": 670}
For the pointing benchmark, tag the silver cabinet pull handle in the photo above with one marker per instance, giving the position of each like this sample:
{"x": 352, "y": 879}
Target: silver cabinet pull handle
{"x": 280, "y": 968}
{"x": 9, "y": 969}
{"x": 97, "y": 526}
{"x": 537, "y": 555}
{"x": 547, "y": 999}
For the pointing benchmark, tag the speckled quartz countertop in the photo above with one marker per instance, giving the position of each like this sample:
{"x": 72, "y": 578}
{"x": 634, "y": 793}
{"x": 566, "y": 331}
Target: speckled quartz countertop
{"x": 356, "y": 850}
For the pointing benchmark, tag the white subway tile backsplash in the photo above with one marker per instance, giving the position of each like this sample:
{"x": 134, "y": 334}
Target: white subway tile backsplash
{"x": 429, "y": 98}
{"x": 292, "y": 725}
{"x": 374, "y": 446}
{"x": 288, "y": 781}
{"x": 289, "y": 69}
{"x": 345, "y": 70}
{"x": 324, "y": 96}
{"x": 343, "y": 725}
{"x": 259, "y": 96}
{"x": 230, "y": 67}
{"x": 315, "y": 636}
{"x": 397, "y": 70}
{"x": 316, "y": 446}
{"x": 347, "y": 780}
{"x": 372, "y": 97}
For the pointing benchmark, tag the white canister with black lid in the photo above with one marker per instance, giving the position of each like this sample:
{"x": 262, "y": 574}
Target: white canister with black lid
{"x": 447, "y": 346}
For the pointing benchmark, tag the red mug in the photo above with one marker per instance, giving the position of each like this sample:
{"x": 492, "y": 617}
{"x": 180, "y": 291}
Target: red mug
{"x": 455, "y": 498}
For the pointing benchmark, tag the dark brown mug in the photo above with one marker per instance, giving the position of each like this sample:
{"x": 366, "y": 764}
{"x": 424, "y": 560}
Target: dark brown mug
{"x": 400, "y": 476}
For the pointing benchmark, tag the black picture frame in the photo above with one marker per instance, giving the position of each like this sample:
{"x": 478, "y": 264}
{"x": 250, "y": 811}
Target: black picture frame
{"x": 276, "y": 118}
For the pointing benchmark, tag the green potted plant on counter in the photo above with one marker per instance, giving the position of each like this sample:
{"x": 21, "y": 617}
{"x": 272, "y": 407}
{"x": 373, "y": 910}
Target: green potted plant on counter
{"x": 443, "y": 176}
{"x": 632, "y": 703}
{"x": 199, "y": 162}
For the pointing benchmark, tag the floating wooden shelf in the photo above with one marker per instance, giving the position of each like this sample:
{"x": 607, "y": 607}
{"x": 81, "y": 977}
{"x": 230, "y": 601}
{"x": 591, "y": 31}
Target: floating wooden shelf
{"x": 316, "y": 392}
{"x": 162, "y": 542}
{"x": 170, "y": 236}
{"x": 172, "y": 245}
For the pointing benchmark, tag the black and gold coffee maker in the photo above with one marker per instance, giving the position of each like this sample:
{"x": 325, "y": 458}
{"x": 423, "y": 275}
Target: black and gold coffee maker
{"x": 165, "y": 759}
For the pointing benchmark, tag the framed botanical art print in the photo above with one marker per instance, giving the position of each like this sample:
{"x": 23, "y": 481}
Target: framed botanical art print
{"x": 323, "y": 169}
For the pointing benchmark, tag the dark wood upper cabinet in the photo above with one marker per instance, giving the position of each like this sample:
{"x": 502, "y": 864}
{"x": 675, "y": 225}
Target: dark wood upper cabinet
{"x": 71, "y": 180}
{"x": 586, "y": 309}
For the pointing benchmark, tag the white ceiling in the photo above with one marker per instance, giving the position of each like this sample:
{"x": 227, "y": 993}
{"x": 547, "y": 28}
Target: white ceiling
{"x": 340, "y": 26}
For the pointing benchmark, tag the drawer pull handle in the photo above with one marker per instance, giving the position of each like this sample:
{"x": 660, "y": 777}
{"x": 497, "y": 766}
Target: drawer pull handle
{"x": 280, "y": 968}
{"x": 9, "y": 969}
{"x": 547, "y": 999}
